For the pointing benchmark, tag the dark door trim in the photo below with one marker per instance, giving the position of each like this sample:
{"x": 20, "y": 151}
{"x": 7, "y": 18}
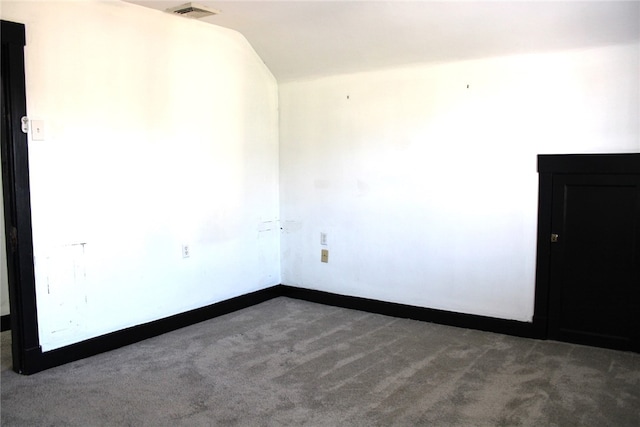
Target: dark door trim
{"x": 26, "y": 348}
{"x": 566, "y": 164}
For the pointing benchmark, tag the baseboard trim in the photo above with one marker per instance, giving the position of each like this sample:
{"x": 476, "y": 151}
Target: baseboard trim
{"x": 121, "y": 338}
{"x": 5, "y": 323}
{"x": 39, "y": 360}
{"x": 470, "y": 321}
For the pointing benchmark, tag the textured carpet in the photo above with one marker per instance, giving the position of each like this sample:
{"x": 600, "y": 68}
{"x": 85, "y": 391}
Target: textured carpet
{"x": 289, "y": 362}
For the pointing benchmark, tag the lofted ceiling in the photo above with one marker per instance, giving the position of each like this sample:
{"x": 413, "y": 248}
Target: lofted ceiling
{"x": 303, "y": 39}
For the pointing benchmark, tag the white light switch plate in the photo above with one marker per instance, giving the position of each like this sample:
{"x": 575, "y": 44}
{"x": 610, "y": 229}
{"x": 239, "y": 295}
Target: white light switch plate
{"x": 37, "y": 130}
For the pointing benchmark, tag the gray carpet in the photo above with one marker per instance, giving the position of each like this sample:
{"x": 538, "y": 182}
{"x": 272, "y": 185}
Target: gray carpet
{"x": 289, "y": 362}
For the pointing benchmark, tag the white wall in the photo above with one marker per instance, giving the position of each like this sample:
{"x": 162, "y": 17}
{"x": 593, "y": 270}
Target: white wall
{"x": 159, "y": 131}
{"x": 427, "y": 189}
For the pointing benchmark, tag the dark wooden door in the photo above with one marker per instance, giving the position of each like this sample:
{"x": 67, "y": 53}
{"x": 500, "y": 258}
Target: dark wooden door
{"x": 594, "y": 281}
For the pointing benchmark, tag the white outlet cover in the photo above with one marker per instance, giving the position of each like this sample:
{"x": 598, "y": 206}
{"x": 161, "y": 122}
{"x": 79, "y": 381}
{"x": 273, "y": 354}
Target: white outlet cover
{"x": 323, "y": 239}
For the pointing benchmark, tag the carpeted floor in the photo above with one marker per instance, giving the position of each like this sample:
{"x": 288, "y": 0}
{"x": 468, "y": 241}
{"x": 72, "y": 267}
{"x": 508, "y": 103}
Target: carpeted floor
{"x": 290, "y": 362}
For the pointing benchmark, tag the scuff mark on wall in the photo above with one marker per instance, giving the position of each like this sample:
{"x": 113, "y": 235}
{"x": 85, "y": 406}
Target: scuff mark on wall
{"x": 265, "y": 226}
{"x": 66, "y": 277}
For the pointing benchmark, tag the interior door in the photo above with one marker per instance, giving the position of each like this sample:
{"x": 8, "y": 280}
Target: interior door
{"x": 594, "y": 292}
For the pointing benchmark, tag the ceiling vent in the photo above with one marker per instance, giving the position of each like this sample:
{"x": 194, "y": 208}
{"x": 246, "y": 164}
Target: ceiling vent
{"x": 193, "y": 10}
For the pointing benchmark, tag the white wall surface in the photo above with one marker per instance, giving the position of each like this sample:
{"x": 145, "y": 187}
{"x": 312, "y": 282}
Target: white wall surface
{"x": 426, "y": 188}
{"x": 159, "y": 131}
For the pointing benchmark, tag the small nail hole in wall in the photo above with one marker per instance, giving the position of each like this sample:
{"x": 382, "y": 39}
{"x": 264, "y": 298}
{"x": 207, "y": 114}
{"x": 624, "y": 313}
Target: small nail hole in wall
{"x": 347, "y": 96}
{"x": 467, "y": 86}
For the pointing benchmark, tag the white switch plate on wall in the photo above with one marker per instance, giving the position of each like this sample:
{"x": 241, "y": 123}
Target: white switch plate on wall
{"x": 37, "y": 130}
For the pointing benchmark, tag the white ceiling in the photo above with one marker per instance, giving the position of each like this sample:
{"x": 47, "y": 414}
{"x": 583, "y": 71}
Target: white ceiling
{"x": 301, "y": 39}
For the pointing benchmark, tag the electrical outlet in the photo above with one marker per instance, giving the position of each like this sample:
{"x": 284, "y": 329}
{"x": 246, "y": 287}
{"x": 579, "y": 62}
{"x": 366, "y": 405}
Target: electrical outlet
{"x": 324, "y": 255}
{"x": 323, "y": 239}
{"x": 185, "y": 251}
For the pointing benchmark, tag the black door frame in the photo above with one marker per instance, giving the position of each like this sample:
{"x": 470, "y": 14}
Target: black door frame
{"x": 565, "y": 164}
{"x": 26, "y": 350}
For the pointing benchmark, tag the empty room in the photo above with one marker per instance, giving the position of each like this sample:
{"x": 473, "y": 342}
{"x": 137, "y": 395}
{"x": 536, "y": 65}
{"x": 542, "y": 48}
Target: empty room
{"x": 320, "y": 213}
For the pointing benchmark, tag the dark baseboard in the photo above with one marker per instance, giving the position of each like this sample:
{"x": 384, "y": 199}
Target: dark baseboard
{"x": 470, "y": 321}
{"x": 121, "y": 338}
{"x": 39, "y": 361}
{"x": 5, "y": 323}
